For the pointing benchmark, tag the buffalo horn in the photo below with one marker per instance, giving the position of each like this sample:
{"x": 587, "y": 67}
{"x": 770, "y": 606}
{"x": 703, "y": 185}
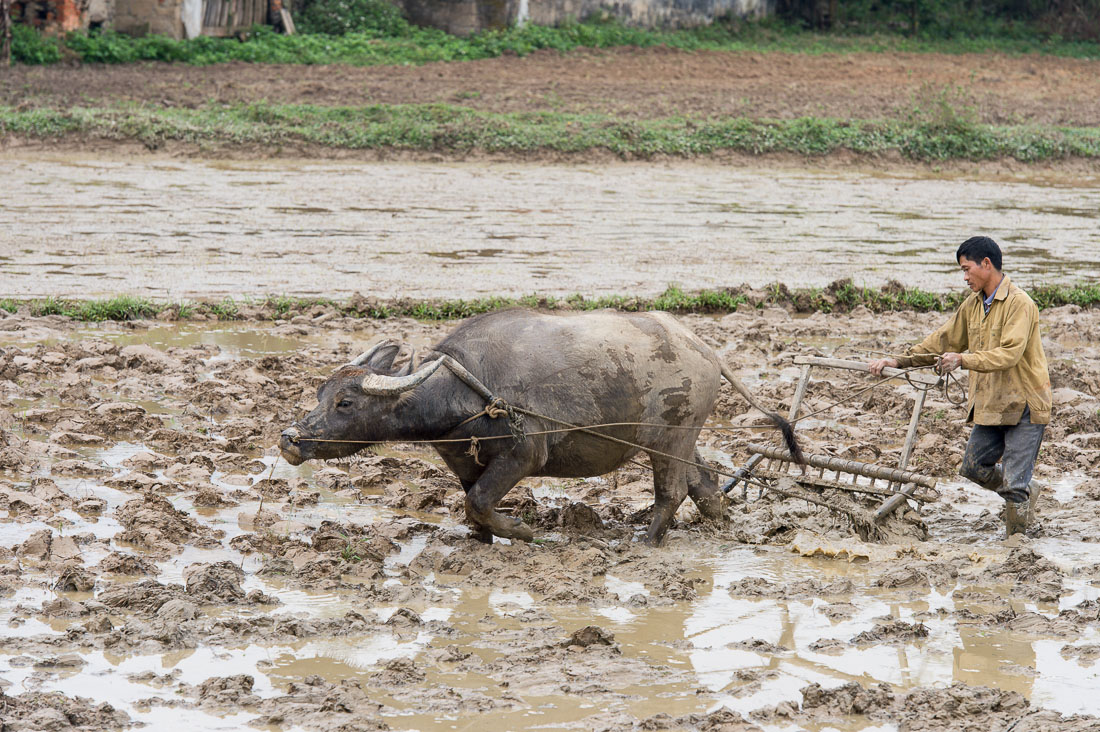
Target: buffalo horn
{"x": 380, "y": 385}
{"x": 364, "y": 357}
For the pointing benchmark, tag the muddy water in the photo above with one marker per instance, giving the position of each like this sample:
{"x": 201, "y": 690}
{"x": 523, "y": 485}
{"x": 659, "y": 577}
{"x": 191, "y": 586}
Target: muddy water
{"x": 705, "y": 646}
{"x": 489, "y": 644}
{"x": 176, "y": 229}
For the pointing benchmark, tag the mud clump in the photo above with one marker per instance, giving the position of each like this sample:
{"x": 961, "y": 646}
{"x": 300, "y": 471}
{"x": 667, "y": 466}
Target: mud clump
{"x": 126, "y": 564}
{"x": 846, "y": 700}
{"x": 227, "y": 691}
{"x": 1031, "y": 575}
{"x": 151, "y": 522}
{"x": 145, "y": 597}
{"x": 35, "y": 711}
{"x": 215, "y": 584}
{"x": 589, "y": 635}
{"x": 760, "y": 587}
{"x": 581, "y": 519}
{"x": 398, "y": 672}
{"x": 74, "y": 579}
{"x": 958, "y": 708}
{"x": 44, "y": 546}
{"x": 316, "y": 704}
{"x": 894, "y": 631}
{"x": 919, "y": 574}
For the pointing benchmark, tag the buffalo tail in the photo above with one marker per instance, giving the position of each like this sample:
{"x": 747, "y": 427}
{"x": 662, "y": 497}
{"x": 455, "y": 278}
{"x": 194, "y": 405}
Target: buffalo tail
{"x": 783, "y": 425}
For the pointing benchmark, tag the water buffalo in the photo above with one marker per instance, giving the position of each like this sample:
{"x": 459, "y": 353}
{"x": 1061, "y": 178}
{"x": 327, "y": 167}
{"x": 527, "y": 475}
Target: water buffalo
{"x": 583, "y": 369}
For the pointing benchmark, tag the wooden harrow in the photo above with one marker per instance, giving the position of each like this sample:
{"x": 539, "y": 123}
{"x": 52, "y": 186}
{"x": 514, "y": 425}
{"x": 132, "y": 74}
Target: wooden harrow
{"x": 772, "y": 467}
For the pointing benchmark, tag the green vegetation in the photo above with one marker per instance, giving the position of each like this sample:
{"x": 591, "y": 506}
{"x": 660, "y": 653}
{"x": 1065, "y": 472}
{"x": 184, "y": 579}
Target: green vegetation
{"x": 373, "y": 37}
{"x": 340, "y": 17}
{"x": 227, "y": 309}
{"x": 1048, "y": 296}
{"x": 951, "y": 18}
{"x": 840, "y": 296}
{"x": 123, "y": 307}
{"x": 925, "y": 135}
{"x": 28, "y": 46}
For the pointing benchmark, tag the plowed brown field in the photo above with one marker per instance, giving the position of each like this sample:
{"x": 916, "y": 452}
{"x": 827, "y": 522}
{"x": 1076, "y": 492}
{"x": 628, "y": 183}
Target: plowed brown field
{"x": 631, "y": 83}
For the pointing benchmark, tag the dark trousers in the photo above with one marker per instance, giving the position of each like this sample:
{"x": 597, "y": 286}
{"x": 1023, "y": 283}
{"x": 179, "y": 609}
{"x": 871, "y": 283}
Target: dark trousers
{"x": 1015, "y": 446}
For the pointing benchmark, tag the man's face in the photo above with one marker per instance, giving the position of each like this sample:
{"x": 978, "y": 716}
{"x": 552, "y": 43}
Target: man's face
{"x": 976, "y": 274}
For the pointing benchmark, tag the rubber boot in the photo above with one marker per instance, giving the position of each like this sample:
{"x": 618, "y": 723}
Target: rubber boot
{"x": 996, "y": 482}
{"x": 1033, "y": 489}
{"x": 1016, "y": 517}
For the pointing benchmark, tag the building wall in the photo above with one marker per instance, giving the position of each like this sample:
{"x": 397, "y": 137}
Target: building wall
{"x": 101, "y": 13}
{"x": 469, "y": 16}
{"x": 646, "y": 13}
{"x": 141, "y": 17}
{"x": 51, "y": 16}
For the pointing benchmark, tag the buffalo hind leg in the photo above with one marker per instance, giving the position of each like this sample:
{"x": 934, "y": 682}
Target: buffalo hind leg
{"x": 704, "y": 491}
{"x": 499, "y": 477}
{"x": 669, "y": 491}
{"x": 477, "y": 532}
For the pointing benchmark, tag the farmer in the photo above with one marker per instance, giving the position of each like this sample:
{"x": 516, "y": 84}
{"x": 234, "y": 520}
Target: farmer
{"x": 1009, "y": 404}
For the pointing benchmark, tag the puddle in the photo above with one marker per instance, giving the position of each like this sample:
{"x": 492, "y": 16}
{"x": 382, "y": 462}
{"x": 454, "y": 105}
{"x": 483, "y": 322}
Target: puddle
{"x": 232, "y": 340}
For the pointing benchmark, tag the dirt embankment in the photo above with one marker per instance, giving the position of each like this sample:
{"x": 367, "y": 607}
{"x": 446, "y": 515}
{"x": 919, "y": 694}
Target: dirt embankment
{"x": 625, "y": 83}
{"x": 147, "y": 519}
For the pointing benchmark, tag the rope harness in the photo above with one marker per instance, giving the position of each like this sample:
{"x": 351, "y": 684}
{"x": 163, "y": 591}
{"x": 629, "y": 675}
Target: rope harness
{"x": 496, "y": 408}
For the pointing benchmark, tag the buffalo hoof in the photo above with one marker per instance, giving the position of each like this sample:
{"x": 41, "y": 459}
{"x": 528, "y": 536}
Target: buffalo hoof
{"x": 517, "y": 530}
{"x": 481, "y": 534}
{"x": 713, "y": 507}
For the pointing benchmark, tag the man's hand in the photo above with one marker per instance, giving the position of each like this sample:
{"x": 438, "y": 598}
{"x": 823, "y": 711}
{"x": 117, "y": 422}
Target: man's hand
{"x": 876, "y": 367}
{"x": 948, "y": 362}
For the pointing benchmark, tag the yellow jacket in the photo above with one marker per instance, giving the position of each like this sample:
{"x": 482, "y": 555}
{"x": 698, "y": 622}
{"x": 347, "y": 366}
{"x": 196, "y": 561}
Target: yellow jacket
{"x": 1008, "y": 369}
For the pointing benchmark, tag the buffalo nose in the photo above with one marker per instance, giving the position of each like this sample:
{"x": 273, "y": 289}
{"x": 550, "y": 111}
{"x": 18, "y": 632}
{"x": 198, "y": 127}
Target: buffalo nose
{"x": 291, "y": 435}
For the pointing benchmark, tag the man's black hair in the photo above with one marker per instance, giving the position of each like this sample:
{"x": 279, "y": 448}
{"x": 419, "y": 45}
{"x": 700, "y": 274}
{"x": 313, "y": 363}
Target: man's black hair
{"x": 977, "y": 248}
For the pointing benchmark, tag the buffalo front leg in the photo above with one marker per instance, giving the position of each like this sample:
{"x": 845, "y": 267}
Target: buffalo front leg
{"x": 478, "y": 532}
{"x": 499, "y": 477}
{"x": 704, "y": 491}
{"x": 669, "y": 491}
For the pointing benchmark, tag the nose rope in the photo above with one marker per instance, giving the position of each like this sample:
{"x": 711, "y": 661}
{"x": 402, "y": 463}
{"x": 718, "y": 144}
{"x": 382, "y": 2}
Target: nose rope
{"x": 497, "y": 407}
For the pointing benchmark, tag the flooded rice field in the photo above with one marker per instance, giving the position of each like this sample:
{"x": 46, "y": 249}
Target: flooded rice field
{"x": 160, "y": 565}
{"x": 174, "y": 229}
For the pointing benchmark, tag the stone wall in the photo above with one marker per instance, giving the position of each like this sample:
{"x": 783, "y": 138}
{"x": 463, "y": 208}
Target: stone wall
{"x": 101, "y": 13}
{"x": 141, "y": 17}
{"x": 463, "y": 17}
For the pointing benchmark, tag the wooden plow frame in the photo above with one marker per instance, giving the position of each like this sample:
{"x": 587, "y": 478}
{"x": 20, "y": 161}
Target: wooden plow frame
{"x": 770, "y": 465}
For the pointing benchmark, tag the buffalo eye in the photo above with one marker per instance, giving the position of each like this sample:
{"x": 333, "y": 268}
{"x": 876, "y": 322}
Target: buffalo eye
{"x": 343, "y": 404}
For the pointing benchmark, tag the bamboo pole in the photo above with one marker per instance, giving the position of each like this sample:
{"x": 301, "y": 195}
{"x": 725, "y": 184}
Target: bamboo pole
{"x": 906, "y": 491}
{"x": 915, "y": 377}
{"x": 827, "y": 462}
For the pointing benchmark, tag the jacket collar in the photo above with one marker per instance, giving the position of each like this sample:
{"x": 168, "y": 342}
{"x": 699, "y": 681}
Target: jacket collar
{"x": 1000, "y": 294}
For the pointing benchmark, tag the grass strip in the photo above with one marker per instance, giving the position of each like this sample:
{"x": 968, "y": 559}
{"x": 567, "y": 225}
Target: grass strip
{"x": 414, "y": 45}
{"x": 841, "y": 296}
{"x": 449, "y": 128}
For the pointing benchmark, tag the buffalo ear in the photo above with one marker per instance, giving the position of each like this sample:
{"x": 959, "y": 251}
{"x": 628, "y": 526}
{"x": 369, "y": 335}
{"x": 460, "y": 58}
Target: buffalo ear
{"x": 403, "y": 361}
{"x": 392, "y": 359}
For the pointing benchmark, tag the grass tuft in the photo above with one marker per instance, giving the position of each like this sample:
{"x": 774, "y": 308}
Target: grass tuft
{"x": 123, "y": 307}
{"x": 840, "y": 296}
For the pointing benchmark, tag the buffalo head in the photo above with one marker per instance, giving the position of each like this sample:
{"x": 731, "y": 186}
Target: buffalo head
{"x": 358, "y": 405}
